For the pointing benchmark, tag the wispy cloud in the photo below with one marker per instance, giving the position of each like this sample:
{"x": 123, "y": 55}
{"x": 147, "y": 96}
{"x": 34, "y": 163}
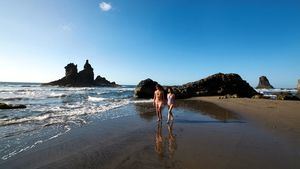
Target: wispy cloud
{"x": 66, "y": 27}
{"x": 104, "y": 6}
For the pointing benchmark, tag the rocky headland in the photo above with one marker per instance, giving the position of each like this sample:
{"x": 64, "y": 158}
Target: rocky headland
{"x": 219, "y": 84}
{"x": 84, "y": 78}
{"x": 264, "y": 83}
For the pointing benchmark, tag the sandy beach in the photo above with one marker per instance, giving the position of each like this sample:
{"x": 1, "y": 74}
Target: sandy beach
{"x": 203, "y": 136}
{"x": 280, "y": 117}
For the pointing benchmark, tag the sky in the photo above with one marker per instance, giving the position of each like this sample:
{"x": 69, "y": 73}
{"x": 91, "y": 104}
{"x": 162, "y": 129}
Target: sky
{"x": 170, "y": 41}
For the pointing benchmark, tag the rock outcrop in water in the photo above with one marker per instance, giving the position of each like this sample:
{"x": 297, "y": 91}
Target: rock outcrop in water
{"x": 84, "y": 78}
{"x": 11, "y": 106}
{"x": 215, "y": 85}
{"x": 264, "y": 83}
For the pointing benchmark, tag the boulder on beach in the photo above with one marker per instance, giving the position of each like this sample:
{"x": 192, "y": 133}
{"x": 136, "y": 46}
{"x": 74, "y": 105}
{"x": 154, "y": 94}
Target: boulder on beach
{"x": 264, "y": 83}
{"x": 286, "y": 96}
{"x": 219, "y": 84}
{"x": 145, "y": 89}
{"x": 11, "y": 106}
{"x": 84, "y": 78}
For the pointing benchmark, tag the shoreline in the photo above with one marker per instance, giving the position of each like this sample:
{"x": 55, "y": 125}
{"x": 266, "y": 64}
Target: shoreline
{"x": 203, "y": 134}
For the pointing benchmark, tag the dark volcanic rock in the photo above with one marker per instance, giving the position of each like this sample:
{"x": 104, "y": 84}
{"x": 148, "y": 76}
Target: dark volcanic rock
{"x": 101, "y": 81}
{"x": 264, "y": 83}
{"x": 10, "y": 106}
{"x": 216, "y": 85}
{"x": 145, "y": 89}
{"x": 70, "y": 78}
{"x": 298, "y": 88}
{"x": 286, "y": 96}
{"x": 84, "y": 78}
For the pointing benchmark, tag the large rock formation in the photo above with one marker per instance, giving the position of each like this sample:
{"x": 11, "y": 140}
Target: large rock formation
{"x": 84, "y": 78}
{"x": 215, "y": 85}
{"x": 10, "y": 106}
{"x": 264, "y": 83}
{"x": 145, "y": 89}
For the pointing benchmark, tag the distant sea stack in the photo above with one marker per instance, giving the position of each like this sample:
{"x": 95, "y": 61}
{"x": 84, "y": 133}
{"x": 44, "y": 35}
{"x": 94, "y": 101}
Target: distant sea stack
{"x": 264, "y": 83}
{"x": 84, "y": 78}
{"x": 215, "y": 85}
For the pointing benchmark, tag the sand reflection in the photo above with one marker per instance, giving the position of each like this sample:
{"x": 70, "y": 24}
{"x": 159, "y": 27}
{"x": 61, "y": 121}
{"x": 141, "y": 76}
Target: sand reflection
{"x": 159, "y": 141}
{"x": 172, "y": 145}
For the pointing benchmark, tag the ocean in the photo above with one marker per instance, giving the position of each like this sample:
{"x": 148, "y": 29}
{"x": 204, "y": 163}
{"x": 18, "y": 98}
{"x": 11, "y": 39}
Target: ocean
{"x": 53, "y": 111}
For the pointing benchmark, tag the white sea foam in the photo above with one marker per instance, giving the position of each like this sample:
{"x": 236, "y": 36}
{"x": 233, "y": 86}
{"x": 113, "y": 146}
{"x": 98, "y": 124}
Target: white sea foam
{"x": 51, "y": 107}
{"x": 95, "y": 99}
{"x": 4, "y": 122}
{"x": 53, "y": 94}
{"x": 293, "y": 91}
{"x": 142, "y": 101}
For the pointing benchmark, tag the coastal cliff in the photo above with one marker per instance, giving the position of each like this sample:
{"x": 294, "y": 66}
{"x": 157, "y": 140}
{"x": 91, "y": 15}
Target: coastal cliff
{"x": 84, "y": 78}
{"x": 215, "y": 85}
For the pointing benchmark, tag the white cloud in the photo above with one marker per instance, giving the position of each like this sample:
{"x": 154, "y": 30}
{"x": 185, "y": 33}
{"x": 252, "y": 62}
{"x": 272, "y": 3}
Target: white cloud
{"x": 105, "y": 6}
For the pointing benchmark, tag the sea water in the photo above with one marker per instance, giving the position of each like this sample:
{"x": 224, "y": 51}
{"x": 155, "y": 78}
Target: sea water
{"x": 52, "y": 111}
{"x": 272, "y": 92}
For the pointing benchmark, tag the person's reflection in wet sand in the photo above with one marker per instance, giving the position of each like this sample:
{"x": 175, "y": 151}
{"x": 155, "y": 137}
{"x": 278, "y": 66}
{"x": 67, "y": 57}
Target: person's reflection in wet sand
{"x": 159, "y": 141}
{"x": 172, "y": 145}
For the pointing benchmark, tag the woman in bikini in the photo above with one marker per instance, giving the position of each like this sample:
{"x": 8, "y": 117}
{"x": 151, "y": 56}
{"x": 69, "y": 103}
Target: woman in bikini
{"x": 158, "y": 101}
{"x": 171, "y": 102}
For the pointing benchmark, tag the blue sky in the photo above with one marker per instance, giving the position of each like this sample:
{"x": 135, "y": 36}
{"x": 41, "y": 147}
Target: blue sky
{"x": 170, "y": 41}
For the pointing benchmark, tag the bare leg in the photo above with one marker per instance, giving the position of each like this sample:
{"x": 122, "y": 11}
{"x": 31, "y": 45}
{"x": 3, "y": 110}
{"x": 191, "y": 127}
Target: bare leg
{"x": 160, "y": 110}
{"x": 157, "y": 110}
{"x": 170, "y": 113}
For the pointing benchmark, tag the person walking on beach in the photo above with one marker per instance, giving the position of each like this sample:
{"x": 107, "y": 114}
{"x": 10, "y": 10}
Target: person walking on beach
{"x": 171, "y": 102}
{"x": 158, "y": 101}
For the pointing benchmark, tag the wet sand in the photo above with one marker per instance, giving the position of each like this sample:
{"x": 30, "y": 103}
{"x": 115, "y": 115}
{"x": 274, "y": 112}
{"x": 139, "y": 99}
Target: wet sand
{"x": 203, "y": 136}
{"x": 280, "y": 117}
